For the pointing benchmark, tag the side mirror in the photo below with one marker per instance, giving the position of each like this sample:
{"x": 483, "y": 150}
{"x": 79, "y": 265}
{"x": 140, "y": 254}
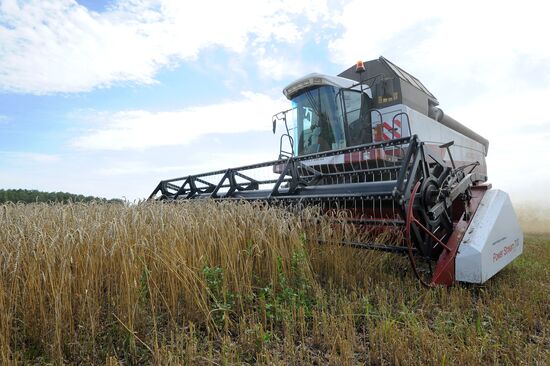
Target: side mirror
{"x": 274, "y": 125}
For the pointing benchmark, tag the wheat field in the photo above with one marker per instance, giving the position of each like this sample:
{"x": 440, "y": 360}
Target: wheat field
{"x": 206, "y": 283}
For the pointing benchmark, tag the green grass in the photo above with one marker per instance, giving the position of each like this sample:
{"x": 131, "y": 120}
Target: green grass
{"x": 205, "y": 283}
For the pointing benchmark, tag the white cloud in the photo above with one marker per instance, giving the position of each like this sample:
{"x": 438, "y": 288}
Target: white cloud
{"x": 487, "y": 44}
{"x": 209, "y": 161}
{"x": 279, "y": 67}
{"x": 60, "y": 46}
{"x": 497, "y": 112}
{"x": 368, "y": 27}
{"x": 518, "y": 136}
{"x": 23, "y": 156}
{"x": 138, "y": 167}
{"x": 140, "y": 129}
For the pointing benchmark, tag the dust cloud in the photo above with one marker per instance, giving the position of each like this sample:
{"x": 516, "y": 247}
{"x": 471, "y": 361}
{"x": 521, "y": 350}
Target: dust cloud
{"x": 534, "y": 217}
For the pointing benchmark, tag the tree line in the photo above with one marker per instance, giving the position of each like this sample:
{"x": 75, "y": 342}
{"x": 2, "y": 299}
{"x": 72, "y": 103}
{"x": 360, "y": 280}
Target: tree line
{"x": 33, "y": 195}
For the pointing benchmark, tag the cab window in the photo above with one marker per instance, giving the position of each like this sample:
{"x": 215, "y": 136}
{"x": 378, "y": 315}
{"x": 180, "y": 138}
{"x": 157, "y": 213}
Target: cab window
{"x": 357, "y": 117}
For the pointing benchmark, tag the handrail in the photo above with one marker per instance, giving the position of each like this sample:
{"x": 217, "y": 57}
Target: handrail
{"x": 408, "y": 122}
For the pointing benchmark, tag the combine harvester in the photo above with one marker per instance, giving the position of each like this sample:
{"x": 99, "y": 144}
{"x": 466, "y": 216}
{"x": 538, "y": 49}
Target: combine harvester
{"x": 372, "y": 143}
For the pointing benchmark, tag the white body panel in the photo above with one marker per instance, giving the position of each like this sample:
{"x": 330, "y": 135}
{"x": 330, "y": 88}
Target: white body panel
{"x": 465, "y": 150}
{"x": 493, "y": 239}
{"x": 431, "y": 132}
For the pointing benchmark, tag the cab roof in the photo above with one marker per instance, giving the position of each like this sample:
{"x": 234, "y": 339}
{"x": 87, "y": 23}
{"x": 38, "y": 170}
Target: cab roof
{"x": 316, "y": 79}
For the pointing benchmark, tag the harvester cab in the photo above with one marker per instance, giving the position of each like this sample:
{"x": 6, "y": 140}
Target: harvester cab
{"x": 372, "y": 102}
{"x": 328, "y": 113}
{"x": 371, "y": 145}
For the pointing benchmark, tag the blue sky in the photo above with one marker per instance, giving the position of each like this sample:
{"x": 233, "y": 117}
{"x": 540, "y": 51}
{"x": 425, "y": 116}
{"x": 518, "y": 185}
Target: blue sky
{"x": 108, "y": 97}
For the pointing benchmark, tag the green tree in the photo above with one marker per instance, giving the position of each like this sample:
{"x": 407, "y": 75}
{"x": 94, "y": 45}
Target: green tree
{"x": 33, "y": 195}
